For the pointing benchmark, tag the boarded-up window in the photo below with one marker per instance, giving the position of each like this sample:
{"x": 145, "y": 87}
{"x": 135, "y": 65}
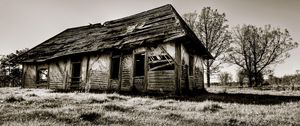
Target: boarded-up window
{"x": 42, "y": 75}
{"x": 115, "y": 66}
{"x": 139, "y": 64}
{"x": 191, "y": 65}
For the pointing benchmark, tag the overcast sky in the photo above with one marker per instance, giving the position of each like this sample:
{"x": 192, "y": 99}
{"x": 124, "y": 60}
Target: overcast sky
{"x": 26, "y": 23}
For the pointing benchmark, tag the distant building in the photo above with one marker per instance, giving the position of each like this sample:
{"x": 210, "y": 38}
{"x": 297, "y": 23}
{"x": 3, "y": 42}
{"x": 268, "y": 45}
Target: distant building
{"x": 152, "y": 51}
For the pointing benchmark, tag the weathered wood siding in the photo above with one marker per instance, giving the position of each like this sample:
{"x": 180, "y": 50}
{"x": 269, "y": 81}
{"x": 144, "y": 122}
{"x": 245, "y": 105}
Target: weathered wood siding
{"x": 59, "y": 74}
{"x": 126, "y": 74}
{"x": 185, "y": 78}
{"x": 84, "y": 69}
{"x": 161, "y": 80}
{"x": 196, "y": 81}
{"x": 198, "y": 73}
{"x": 29, "y": 75}
{"x": 99, "y": 71}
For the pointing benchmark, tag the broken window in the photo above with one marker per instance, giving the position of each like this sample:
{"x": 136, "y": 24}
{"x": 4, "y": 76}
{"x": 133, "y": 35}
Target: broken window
{"x": 139, "y": 64}
{"x": 191, "y": 65}
{"x": 115, "y": 66}
{"x": 160, "y": 60}
{"x": 42, "y": 75}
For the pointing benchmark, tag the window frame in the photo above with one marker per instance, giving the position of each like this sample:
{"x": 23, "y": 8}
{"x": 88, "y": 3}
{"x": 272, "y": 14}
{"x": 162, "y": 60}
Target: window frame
{"x": 38, "y": 79}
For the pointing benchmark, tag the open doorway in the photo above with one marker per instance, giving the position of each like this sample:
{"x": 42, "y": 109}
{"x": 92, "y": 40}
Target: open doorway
{"x": 139, "y": 64}
{"x": 76, "y": 73}
{"x": 139, "y": 71}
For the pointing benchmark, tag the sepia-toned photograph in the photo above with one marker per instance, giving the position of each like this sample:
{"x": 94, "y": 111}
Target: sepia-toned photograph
{"x": 149, "y": 63}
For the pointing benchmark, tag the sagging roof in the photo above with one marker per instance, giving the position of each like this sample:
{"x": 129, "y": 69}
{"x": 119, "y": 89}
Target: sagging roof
{"x": 157, "y": 25}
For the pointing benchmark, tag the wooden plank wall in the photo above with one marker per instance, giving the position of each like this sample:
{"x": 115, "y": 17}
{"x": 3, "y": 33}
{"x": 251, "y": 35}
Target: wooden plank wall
{"x": 84, "y": 68}
{"x": 199, "y": 73}
{"x": 161, "y": 80}
{"x": 185, "y": 78}
{"x": 197, "y": 80}
{"x": 126, "y": 74}
{"x": 29, "y": 75}
{"x": 59, "y": 72}
{"x": 98, "y": 73}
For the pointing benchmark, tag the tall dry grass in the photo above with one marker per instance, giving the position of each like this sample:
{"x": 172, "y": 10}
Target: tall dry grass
{"x": 43, "y": 107}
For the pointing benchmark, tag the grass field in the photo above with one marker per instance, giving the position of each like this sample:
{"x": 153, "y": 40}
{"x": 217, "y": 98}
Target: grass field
{"x": 229, "y": 107}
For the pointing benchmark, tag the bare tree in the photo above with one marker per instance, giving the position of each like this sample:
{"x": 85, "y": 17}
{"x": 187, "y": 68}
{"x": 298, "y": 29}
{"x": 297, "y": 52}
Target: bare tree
{"x": 225, "y": 78}
{"x": 255, "y": 49}
{"x": 241, "y": 75}
{"x": 211, "y": 29}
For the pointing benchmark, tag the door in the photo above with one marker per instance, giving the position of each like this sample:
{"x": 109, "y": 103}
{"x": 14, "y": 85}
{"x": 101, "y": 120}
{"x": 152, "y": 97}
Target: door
{"x": 76, "y": 73}
{"x": 115, "y": 73}
{"x": 139, "y": 72}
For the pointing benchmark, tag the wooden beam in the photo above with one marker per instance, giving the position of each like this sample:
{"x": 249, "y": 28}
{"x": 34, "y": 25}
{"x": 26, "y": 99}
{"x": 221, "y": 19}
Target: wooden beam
{"x": 120, "y": 72}
{"x": 177, "y": 67}
{"x": 146, "y": 71}
{"x": 174, "y": 60}
{"x": 161, "y": 66}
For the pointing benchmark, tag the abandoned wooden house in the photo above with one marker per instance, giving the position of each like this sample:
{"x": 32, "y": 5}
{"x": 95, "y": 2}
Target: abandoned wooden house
{"x": 152, "y": 51}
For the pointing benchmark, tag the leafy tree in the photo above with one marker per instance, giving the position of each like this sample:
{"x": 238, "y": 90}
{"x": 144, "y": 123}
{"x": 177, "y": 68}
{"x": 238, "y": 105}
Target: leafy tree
{"x": 210, "y": 27}
{"x": 11, "y": 72}
{"x": 255, "y": 49}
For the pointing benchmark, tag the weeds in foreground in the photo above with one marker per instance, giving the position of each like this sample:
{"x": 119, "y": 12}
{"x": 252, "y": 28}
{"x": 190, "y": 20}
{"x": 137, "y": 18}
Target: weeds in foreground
{"x": 212, "y": 108}
{"x": 113, "y": 107}
{"x": 32, "y": 95}
{"x": 12, "y": 98}
{"x": 93, "y": 100}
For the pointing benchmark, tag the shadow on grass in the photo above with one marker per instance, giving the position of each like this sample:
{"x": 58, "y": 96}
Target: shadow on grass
{"x": 254, "y": 99}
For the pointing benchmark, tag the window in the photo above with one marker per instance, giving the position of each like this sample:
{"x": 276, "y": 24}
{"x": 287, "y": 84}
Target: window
{"x": 191, "y": 65}
{"x": 42, "y": 75}
{"x": 139, "y": 64}
{"x": 115, "y": 66}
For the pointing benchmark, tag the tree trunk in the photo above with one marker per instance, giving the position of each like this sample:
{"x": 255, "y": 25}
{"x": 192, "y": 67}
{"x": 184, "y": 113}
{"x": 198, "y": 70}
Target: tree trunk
{"x": 250, "y": 80}
{"x": 208, "y": 73}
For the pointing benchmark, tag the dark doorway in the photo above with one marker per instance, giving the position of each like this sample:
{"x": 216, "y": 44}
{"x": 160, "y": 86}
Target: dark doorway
{"x": 115, "y": 67}
{"x": 139, "y": 72}
{"x": 139, "y": 64}
{"x": 76, "y": 73}
{"x": 114, "y": 83}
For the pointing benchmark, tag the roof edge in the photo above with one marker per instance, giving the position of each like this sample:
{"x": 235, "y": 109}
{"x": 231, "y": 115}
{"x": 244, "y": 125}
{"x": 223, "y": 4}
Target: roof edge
{"x": 193, "y": 36}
